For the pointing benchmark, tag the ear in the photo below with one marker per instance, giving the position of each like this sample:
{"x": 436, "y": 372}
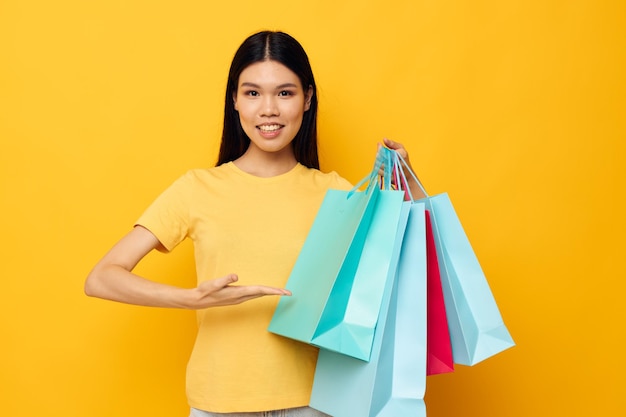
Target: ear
{"x": 307, "y": 98}
{"x": 235, "y": 100}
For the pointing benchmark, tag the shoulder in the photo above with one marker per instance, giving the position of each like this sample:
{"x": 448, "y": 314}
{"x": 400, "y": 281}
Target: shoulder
{"x": 185, "y": 187}
{"x": 200, "y": 176}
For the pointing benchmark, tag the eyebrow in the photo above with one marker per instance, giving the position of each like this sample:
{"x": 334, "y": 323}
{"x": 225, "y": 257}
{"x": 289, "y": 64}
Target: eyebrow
{"x": 253, "y": 85}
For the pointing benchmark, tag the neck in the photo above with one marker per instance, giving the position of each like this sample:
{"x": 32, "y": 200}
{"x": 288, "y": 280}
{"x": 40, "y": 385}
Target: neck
{"x": 266, "y": 164}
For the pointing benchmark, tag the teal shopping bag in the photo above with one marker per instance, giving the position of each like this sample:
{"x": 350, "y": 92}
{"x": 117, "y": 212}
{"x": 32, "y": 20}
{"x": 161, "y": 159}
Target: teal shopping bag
{"x": 476, "y": 328}
{"x": 334, "y": 244}
{"x": 393, "y": 382}
{"x": 349, "y": 318}
{"x": 323, "y": 277}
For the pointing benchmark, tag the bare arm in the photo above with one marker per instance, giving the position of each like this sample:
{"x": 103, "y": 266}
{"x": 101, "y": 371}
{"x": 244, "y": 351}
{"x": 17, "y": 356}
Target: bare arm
{"x": 112, "y": 279}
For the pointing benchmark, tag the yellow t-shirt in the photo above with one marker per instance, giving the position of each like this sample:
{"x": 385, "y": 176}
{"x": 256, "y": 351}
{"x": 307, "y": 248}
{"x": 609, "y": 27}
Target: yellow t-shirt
{"x": 254, "y": 227}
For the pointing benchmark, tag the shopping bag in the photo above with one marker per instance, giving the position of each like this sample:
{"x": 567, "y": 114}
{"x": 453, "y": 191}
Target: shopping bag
{"x": 393, "y": 382}
{"x": 477, "y": 330}
{"x": 439, "y": 349}
{"x": 336, "y": 238}
{"x": 349, "y": 318}
{"x": 349, "y": 255}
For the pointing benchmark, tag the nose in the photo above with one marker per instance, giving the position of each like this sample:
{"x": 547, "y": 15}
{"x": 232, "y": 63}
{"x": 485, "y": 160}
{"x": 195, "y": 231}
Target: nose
{"x": 269, "y": 107}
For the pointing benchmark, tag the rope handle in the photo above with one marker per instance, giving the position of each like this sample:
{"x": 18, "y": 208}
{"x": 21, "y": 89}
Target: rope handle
{"x": 399, "y": 166}
{"x": 393, "y": 174}
{"x": 385, "y": 160}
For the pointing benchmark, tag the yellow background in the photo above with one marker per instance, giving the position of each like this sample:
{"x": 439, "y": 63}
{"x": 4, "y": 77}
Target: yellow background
{"x": 515, "y": 108}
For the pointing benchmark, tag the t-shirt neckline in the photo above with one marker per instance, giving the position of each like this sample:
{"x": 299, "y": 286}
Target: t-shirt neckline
{"x": 252, "y": 177}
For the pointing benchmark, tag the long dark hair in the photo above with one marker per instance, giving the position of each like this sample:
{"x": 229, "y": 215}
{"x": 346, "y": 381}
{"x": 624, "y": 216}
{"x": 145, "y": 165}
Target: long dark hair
{"x": 282, "y": 48}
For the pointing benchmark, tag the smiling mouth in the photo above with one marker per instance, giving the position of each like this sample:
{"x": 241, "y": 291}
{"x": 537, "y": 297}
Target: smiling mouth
{"x": 269, "y": 128}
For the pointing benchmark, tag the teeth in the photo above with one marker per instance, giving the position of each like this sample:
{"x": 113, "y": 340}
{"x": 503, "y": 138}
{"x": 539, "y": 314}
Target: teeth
{"x": 269, "y": 128}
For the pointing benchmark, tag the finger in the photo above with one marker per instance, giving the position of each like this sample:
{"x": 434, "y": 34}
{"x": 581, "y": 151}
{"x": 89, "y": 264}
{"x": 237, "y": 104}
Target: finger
{"x": 243, "y": 291}
{"x": 265, "y": 290}
{"x": 391, "y": 144}
{"x": 240, "y": 294}
{"x": 396, "y": 146}
{"x": 225, "y": 280}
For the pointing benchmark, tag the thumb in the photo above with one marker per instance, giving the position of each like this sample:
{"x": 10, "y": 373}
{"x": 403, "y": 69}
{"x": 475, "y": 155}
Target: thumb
{"x": 390, "y": 144}
{"x": 226, "y": 280}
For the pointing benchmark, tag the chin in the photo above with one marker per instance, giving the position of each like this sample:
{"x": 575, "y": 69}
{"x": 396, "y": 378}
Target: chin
{"x": 273, "y": 146}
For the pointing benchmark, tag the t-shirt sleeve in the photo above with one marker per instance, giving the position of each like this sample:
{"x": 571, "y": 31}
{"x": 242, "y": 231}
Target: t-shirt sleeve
{"x": 168, "y": 216}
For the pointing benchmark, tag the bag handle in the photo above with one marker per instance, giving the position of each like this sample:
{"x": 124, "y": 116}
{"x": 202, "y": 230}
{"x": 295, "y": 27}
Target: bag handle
{"x": 385, "y": 160}
{"x": 399, "y": 166}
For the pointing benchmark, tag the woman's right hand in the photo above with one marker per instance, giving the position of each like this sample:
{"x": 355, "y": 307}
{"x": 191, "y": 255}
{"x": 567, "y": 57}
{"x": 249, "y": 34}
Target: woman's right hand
{"x": 222, "y": 292}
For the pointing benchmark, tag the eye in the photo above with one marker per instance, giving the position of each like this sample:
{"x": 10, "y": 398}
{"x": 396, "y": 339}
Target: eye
{"x": 251, "y": 93}
{"x": 285, "y": 93}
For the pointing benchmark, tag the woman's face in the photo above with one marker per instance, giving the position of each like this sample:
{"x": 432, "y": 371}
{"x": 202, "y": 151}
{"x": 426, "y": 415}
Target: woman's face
{"x": 271, "y": 103}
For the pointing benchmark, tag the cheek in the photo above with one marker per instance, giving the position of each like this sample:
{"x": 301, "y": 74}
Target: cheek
{"x": 244, "y": 111}
{"x": 296, "y": 110}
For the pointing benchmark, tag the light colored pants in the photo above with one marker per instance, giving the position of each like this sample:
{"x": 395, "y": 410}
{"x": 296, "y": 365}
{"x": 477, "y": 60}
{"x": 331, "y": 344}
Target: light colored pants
{"x": 289, "y": 412}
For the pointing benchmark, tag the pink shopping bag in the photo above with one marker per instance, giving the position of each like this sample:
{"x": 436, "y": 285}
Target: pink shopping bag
{"x": 438, "y": 348}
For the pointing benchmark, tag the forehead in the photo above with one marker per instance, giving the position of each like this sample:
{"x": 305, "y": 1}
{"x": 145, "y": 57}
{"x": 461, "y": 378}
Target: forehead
{"x": 268, "y": 73}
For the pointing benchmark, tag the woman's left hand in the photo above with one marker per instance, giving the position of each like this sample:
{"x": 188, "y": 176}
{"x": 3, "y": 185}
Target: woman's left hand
{"x": 398, "y": 147}
{"x": 416, "y": 190}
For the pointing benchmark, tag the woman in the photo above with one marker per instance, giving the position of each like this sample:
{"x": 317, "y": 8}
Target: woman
{"x": 248, "y": 218}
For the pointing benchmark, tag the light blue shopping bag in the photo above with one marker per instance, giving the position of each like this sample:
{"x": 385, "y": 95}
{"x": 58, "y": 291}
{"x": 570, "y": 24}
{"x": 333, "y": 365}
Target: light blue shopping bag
{"x": 393, "y": 382}
{"x": 477, "y": 330}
